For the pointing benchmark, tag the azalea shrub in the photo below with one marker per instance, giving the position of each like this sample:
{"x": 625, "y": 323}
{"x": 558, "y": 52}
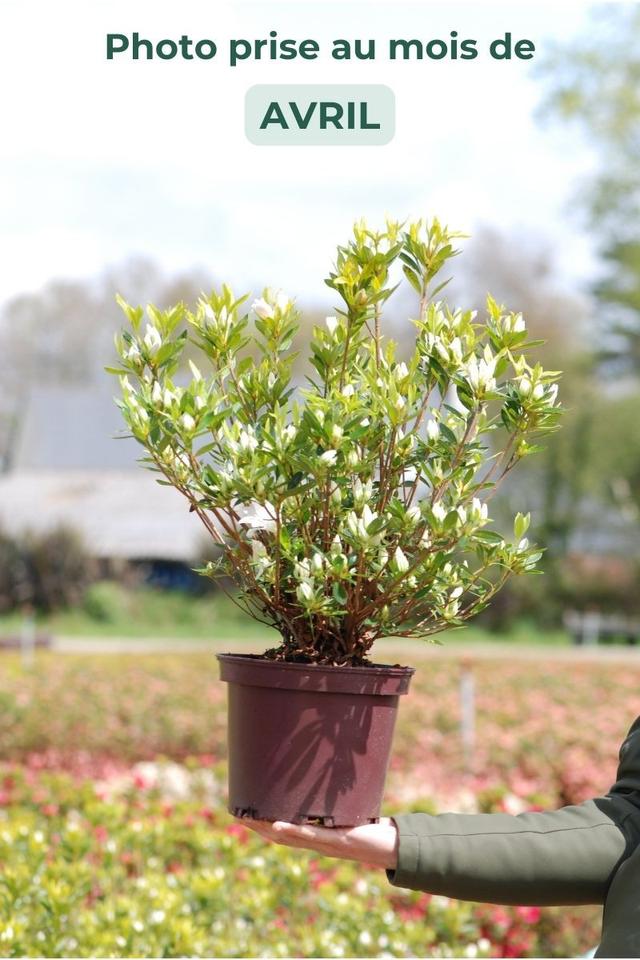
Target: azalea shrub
{"x": 356, "y": 507}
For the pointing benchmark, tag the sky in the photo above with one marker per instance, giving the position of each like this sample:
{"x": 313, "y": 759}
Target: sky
{"x": 101, "y": 160}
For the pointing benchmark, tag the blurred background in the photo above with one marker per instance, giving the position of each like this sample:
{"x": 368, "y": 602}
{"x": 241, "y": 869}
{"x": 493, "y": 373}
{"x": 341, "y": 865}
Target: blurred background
{"x": 138, "y": 180}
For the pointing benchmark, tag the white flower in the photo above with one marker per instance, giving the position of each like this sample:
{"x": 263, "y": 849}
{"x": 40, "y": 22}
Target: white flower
{"x": 349, "y": 390}
{"x": 368, "y": 516}
{"x": 517, "y": 323}
{"x": 365, "y": 422}
{"x": 261, "y": 518}
{"x": 524, "y": 543}
{"x": 336, "y": 433}
{"x": 400, "y": 403}
{"x": 156, "y": 393}
{"x": 524, "y": 387}
{"x": 302, "y": 569}
{"x": 157, "y": 916}
{"x": 433, "y": 430}
{"x": 282, "y": 301}
{"x": 410, "y": 474}
{"x": 353, "y": 459}
{"x": 479, "y": 511}
{"x": 169, "y": 397}
{"x": 289, "y": 433}
{"x": 332, "y": 325}
{"x": 138, "y": 926}
{"x": 263, "y": 309}
{"x": 401, "y": 371}
{"x": 438, "y": 512}
{"x": 336, "y": 546}
{"x": 457, "y": 592}
{"x": 336, "y": 495}
{"x": 480, "y": 373}
{"x": 133, "y": 353}
{"x": 455, "y": 349}
{"x": 462, "y": 513}
{"x": 304, "y": 592}
{"x": 248, "y": 441}
{"x": 365, "y": 938}
{"x": 152, "y": 339}
{"x": 552, "y": 394}
{"x": 187, "y": 421}
{"x": 400, "y": 561}
{"x": 538, "y": 391}
{"x": 328, "y": 458}
{"x": 413, "y": 515}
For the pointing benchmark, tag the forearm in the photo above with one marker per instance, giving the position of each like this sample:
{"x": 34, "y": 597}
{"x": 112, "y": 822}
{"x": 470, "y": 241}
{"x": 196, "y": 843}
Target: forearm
{"x": 566, "y": 856}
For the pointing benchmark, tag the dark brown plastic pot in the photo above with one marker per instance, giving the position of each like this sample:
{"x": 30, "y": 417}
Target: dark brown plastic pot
{"x": 309, "y": 742}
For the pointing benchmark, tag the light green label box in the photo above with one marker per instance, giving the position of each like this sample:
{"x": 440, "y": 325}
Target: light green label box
{"x": 320, "y": 114}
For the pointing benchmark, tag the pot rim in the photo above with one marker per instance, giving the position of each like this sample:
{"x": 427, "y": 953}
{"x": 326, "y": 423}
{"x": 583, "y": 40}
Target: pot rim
{"x": 387, "y": 669}
{"x": 247, "y": 669}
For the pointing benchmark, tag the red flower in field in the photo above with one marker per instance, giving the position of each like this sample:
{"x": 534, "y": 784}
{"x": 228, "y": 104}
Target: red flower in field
{"x": 238, "y": 831}
{"x": 101, "y": 833}
{"x": 207, "y": 814}
{"x": 175, "y": 867}
{"x": 528, "y": 914}
{"x": 5, "y": 798}
{"x": 140, "y": 782}
{"x": 50, "y": 809}
{"x": 500, "y": 918}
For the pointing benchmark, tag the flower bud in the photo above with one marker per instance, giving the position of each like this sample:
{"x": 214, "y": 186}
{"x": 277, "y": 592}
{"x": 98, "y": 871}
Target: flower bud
{"x": 304, "y": 593}
{"x": 433, "y": 430}
{"x": 263, "y": 309}
{"x": 328, "y": 458}
{"x": 400, "y": 562}
{"x": 152, "y": 339}
{"x": 332, "y": 324}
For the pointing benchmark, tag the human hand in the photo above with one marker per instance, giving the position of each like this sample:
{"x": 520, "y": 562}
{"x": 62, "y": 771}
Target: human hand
{"x": 374, "y": 843}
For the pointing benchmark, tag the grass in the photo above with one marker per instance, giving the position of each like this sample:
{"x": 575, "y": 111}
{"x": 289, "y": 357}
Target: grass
{"x": 110, "y": 610}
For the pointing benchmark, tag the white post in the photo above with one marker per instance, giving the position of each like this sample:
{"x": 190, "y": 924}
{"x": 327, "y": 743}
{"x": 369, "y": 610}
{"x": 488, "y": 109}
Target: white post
{"x": 27, "y": 639}
{"x": 468, "y": 714}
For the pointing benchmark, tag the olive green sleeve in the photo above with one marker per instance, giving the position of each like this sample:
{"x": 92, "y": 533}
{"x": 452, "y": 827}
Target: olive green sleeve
{"x": 565, "y": 856}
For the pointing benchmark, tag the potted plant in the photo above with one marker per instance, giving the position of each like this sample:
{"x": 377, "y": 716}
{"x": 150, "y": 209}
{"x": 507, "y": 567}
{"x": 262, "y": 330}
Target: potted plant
{"x": 353, "y": 508}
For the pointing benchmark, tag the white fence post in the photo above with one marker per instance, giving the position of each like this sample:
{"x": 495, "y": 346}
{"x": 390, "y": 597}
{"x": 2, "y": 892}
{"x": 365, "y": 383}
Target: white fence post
{"x": 468, "y": 714}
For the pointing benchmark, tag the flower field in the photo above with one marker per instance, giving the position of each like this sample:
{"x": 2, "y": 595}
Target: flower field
{"x": 114, "y": 840}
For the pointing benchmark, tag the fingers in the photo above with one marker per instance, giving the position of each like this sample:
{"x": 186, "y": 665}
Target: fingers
{"x": 307, "y": 836}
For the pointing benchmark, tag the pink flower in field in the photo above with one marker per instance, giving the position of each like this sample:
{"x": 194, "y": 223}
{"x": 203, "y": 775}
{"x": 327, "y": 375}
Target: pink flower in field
{"x": 101, "y": 833}
{"x": 528, "y": 914}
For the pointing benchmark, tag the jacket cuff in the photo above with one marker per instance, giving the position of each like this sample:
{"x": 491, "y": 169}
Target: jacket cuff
{"x": 405, "y": 873}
